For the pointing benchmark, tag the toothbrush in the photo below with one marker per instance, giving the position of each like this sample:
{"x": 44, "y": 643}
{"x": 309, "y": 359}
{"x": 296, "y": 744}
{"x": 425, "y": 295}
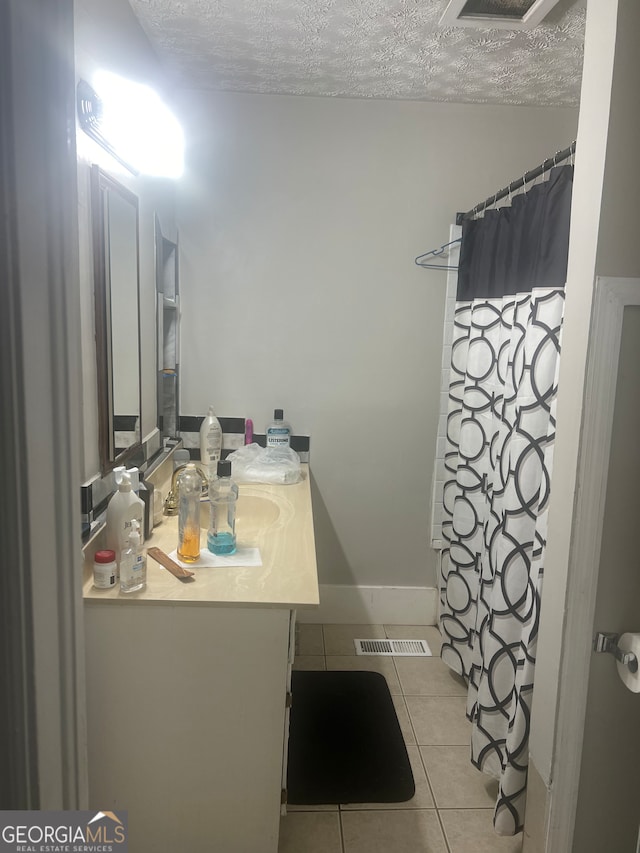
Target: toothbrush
{"x": 248, "y": 431}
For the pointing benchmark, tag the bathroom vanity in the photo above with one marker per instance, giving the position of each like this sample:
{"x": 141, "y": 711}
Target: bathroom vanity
{"x": 188, "y": 685}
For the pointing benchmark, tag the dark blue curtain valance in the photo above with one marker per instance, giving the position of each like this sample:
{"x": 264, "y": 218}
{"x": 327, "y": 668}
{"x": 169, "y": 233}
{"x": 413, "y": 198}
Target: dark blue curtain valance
{"x": 518, "y": 248}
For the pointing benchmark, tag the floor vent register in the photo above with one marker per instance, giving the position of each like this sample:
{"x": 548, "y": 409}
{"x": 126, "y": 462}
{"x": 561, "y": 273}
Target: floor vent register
{"x": 396, "y": 648}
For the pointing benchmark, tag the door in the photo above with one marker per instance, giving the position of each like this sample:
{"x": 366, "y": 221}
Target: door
{"x": 608, "y": 808}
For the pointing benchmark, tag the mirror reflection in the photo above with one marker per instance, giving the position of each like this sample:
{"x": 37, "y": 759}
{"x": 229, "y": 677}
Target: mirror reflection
{"x": 116, "y": 259}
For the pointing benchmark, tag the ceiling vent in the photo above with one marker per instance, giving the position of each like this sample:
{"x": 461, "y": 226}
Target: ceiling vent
{"x": 498, "y": 14}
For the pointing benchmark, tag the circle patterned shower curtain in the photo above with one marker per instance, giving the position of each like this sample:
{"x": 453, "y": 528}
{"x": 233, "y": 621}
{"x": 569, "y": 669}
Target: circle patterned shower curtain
{"x": 498, "y": 458}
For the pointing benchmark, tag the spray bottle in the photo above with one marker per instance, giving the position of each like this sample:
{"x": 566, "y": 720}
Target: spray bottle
{"x": 133, "y": 562}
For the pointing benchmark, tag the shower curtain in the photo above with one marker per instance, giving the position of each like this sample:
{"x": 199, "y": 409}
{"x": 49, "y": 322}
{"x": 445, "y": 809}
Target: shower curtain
{"x": 499, "y": 445}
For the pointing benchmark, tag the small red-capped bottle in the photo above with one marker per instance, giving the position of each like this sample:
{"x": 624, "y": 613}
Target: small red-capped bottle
{"x": 105, "y": 569}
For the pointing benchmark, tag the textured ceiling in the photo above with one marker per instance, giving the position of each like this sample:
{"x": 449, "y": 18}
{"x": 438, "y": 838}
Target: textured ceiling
{"x": 364, "y": 49}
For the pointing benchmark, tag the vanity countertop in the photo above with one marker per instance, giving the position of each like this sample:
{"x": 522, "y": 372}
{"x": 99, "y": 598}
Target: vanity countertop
{"x": 276, "y": 519}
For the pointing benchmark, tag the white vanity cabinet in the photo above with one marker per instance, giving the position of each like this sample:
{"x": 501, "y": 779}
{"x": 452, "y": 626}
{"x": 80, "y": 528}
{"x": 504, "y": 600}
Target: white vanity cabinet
{"x": 187, "y": 695}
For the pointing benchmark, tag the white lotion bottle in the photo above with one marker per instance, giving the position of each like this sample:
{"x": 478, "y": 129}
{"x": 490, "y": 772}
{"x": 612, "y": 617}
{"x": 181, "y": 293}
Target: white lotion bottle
{"x": 210, "y": 444}
{"x": 124, "y": 507}
{"x": 278, "y": 431}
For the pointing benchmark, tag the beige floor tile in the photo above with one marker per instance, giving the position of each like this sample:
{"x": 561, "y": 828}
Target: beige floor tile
{"x": 422, "y": 798}
{"x": 309, "y": 640}
{"x": 403, "y": 719}
{"x": 439, "y": 720}
{"x": 392, "y": 832}
{"x": 310, "y": 832}
{"x": 367, "y": 664}
{"x": 428, "y": 677}
{"x": 471, "y": 831}
{"x": 455, "y": 782}
{"x": 416, "y": 632}
{"x": 338, "y": 639}
{"x": 314, "y": 662}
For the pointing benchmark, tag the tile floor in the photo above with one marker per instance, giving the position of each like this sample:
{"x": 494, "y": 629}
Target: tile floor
{"x": 452, "y": 809}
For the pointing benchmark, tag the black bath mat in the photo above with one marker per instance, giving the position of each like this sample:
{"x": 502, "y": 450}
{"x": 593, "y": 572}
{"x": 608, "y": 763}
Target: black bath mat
{"x": 345, "y": 743}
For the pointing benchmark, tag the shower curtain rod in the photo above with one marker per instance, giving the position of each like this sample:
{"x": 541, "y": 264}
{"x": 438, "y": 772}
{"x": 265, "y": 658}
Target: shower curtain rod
{"x": 558, "y": 157}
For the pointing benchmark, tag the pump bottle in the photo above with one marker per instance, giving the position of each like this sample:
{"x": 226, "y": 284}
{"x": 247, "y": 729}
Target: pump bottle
{"x": 124, "y": 507}
{"x": 133, "y": 562}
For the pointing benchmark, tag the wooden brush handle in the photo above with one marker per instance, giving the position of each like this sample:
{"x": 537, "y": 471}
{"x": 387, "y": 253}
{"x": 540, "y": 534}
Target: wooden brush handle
{"x": 165, "y": 560}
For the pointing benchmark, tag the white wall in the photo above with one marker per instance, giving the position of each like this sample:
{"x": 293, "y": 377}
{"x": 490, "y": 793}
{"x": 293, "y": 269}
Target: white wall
{"x": 299, "y": 221}
{"x": 108, "y": 36}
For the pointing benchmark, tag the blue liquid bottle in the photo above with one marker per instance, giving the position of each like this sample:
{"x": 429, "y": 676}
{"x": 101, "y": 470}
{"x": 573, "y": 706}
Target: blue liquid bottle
{"x": 278, "y": 432}
{"x": 223, "y": 496}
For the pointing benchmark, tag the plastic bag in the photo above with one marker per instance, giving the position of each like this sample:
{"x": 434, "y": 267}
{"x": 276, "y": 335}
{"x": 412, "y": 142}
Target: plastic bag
{"x": 255, "y": 464}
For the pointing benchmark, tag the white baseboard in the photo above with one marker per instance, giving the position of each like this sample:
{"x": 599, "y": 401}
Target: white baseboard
{"x": 373, "y": 605}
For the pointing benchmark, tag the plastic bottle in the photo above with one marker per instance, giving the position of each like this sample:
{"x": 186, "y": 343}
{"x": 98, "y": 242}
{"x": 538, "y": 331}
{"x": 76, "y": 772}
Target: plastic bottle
{"x": 223, "y": 495}
{"x": 133, "y": 562}
{"x": 189, "y": 486}
{"x": 278, "y": 431}
{"x": 105, "y": 569}
{"x": 124, "y": 507}
{"x": 210, "y": 443}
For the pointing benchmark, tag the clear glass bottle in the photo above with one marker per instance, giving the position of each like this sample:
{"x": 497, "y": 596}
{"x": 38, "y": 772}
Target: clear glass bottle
{"x": 133, "y": 562}
{"x": 278, "y": 432}
{"x": 223, "y": 496}
{"x": 189, "y": 486}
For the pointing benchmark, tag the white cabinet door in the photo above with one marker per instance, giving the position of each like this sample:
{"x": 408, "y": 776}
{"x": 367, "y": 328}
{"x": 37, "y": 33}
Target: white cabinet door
{"x": 186, "y": 711}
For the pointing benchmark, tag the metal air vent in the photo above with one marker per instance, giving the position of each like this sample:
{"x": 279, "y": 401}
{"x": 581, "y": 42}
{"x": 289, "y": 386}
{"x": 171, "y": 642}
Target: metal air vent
{"x": 397, "y": 648}
{"x": 498, "y": 14}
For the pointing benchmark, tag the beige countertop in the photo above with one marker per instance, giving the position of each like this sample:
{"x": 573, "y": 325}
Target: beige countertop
{"x": 275, "y": 519}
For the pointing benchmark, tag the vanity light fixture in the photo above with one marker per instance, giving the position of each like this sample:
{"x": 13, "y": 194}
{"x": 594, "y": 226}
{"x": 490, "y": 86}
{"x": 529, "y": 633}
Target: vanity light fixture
{"x": 90, "y": 116}
{"x": 131, "y": 122}
{"x": 498, "y": 14}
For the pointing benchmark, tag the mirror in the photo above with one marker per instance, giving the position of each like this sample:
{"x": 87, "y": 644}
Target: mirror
{"x": 168, "y": 347}
{"x": 114, "y": 211}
